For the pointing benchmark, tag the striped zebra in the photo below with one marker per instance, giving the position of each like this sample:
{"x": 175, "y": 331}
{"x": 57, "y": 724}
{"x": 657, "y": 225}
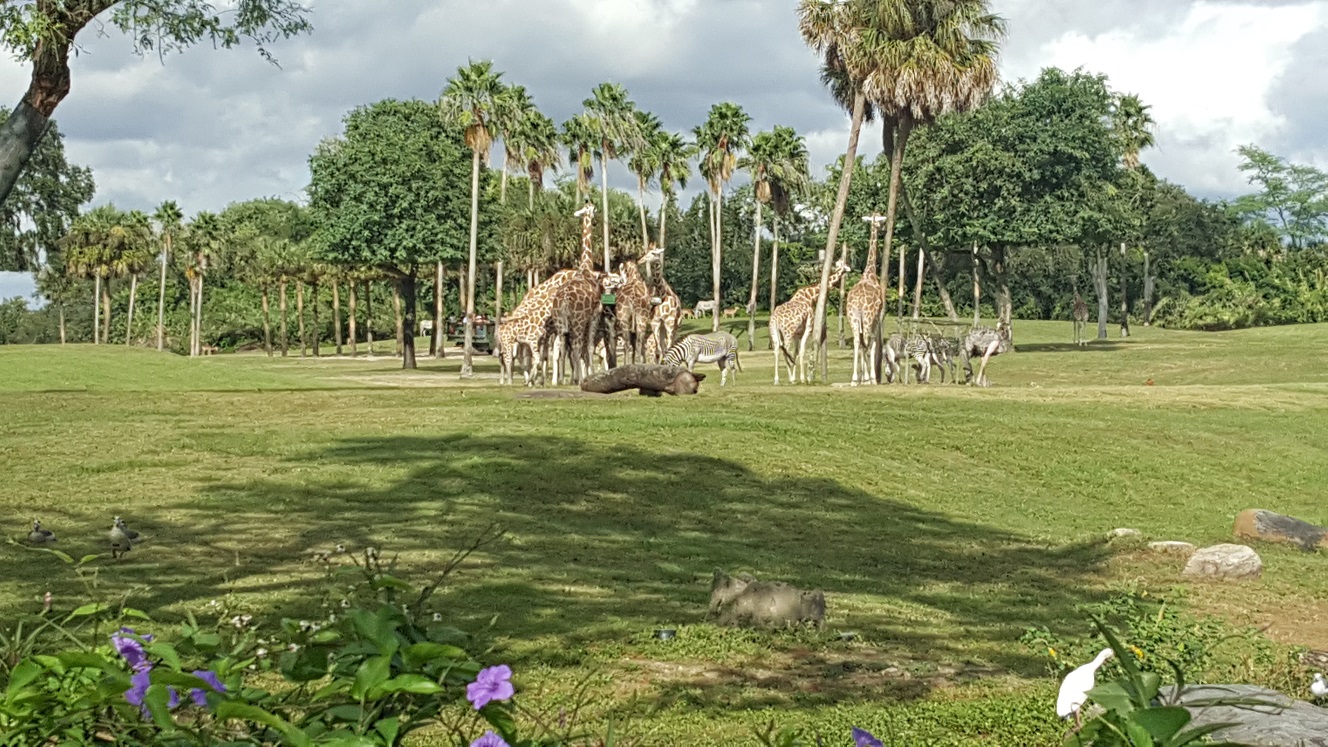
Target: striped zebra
{"x": 713, "y": 347}
{"x": 900, "y": 349}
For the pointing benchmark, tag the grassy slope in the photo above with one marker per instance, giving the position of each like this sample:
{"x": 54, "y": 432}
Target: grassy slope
{"x": 941, "y": 521}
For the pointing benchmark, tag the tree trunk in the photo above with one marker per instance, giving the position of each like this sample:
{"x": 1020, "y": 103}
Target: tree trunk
{"x": 317, "y": 328}
{"x": 899, "y": 140}
{"x": 663, "y": 223}
{"x": 96, "y": 310}
{"x": 756, "y": 276}
{"x": 406, "y": 295}
{"x": 267, "y": 323}
{"x": 161, "y": 297}
{"x": 502, "y": 185}
{"x": 299, "y": 317}
{"x": 439, "y": 318}
{"x": 368, "y": 315}
{"x": 1100, "y": 285}
{"x": 650, "y": 379}
{"x": 1148, "y": 291}
{"x": 351, "y": 331}
{"x": 917, "y": 283}
{"x": 977, "y": 288}
{"x": 1124, "y": 293}
{"x": 60, "y": 307}
{"x": 467, "y": 370}
{"x": 201, "y": 278}
{"x": 193, "y": 304}
{"x": 336, "y": 313}
{"x": 1004, "y": 307}
{"x": 837, "y": 217}
{"x": 106, "y": 311}
{"x": 843, "y": 281}
{"x": 129, "y": 320}
{"x": 498, "y": 294}
{"x": 604, "y": 202}
{"x": 641, "y": 205}
{"x": 281, "y": 306}
{"x": 396, "y": 312}
{"x": 937, "y": 261}
{"x": 774, "y": 274}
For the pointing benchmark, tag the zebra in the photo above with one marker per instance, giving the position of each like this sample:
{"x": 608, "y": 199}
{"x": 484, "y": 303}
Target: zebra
{"x": 713, "y": 347}
{"x": 942, "y": 354}
{"x": 900, "y": 348}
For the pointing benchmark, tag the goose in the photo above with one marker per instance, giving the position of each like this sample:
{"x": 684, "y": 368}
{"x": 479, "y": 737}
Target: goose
{"x": 39, "y": 536}
{"x": 122, "y": 538}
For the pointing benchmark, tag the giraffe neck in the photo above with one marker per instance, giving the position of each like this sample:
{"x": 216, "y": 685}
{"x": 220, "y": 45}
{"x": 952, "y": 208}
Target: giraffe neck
{"x": 587, "y": 263}
{"x": 835, "y": 276}
{"x": 869, "y": 271}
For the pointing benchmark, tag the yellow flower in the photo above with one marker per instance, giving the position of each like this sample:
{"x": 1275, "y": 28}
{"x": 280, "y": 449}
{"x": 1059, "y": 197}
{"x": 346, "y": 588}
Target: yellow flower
{"x": 1138, "y": 652}
{"x": 1052, "y": 651}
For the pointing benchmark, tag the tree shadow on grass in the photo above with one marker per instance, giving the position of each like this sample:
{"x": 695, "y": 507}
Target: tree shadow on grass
{"x": 1094, "y": 346}
{"x": 606, "y": 541}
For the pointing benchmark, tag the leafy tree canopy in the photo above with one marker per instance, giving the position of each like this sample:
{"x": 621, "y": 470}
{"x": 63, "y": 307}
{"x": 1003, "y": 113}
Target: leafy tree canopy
{"x": 43, "y": 204}
{"x": 1292, "y": 198}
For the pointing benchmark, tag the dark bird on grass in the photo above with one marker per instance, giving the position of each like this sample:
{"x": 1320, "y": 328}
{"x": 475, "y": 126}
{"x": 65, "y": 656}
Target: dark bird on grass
{"x": 39, "y": 536}
{"x": 122, "y": 538}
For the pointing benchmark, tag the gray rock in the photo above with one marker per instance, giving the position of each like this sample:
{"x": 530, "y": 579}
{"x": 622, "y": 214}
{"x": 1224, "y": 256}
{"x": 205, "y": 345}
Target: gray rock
{"x": 1285, "y": 723}
{"x": 1256, "y": 523}
{"x": 1172, "y": 547}
{"x": 1120, "y": 532}
{"x": 1226, "y": 562}
{"x": 745, "y": 602}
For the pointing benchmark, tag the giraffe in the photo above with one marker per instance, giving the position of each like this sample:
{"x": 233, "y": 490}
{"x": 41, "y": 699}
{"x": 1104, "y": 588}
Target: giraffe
{"x": 791, "y": 321}
{"x": 667, "y": 315}
{"x": 864, "y": 304}
{"x": 634, "y": 308}
{"x": 577, "y": 305}
{"x": 1080, "y": 318}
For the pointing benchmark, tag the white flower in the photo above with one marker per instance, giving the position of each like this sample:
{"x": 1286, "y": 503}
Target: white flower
{"x": 260, "y": 653}
{"x": 437, "y": 617}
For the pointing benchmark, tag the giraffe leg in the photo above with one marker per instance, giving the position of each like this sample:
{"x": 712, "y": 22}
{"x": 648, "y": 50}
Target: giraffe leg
{"x": 777, "y": 343}
{"x": 982, "y": 369}
{"x": 857, "y": 353}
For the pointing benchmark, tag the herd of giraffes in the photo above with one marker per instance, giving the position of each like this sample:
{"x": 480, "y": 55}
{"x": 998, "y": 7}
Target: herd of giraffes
{"x": 562, "y": 320}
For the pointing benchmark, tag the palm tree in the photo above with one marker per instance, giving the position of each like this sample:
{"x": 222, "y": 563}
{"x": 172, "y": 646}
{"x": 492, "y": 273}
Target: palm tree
{"x": 785, "y": 183}
{"x": 644, "y": 163}
{"x": 134, "y": 256}
{"x": 771, "y": 157}
{"x": 672, "y": 155}
{"x": 168, "y": 218}
{"x": 616, "y": 128}
{"x": 205, "y": 237}
{"x": 537, "y": 146}
{"x": 720, "y": 139}
{"x": 834, "y": 30}
{"x": 469, "y": 101}
{"x": 579, "y": 137}
{"x": 87, "y": 255}
{"x": 511, "y": 108}
{"x": 1133, "y": 126}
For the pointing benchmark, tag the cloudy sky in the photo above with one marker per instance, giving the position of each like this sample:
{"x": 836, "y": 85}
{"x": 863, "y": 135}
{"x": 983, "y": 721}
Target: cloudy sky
{"x": 209, "y": 127}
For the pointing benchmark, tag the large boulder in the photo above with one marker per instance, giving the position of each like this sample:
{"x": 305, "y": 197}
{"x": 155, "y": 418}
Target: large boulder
{"x": 1172, "y": 547}
{"x": 743, "y": 601}
{"x": 1286, "y": 722}
{"x": 1256, "y": 523}
{"x": 1225, "y": 562}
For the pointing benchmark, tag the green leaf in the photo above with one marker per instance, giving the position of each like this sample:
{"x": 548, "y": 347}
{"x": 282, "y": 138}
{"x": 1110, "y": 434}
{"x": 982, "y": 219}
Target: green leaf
{"x": 157, "y": 701}
{"x": 501, "y": 720}
{"x": 166, "y": 652}
{"x": 349, "y": 713}
{"x": 419, "y": 654}
{"x": 137, "y": 614}
{"x": 1198, "y": 734}
{"x": 372, "y": 673}
{"x": 1113, "y": 697}
{"x": 83, "y": 660}
{"x": 304, "y": 665}
{"x": 229, "y": 709}
{"x": 20, "y": 676}
{"x": 389, "y": 728}
{"x": 88, "y": 558}
{"x": 88, "y": 609}
{"x": 412, "y": 683}
{"x": 1163, "y": 722}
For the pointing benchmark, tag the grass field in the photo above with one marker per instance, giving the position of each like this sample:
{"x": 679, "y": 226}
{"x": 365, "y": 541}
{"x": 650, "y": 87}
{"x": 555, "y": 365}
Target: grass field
{"x": 941, "y": 521}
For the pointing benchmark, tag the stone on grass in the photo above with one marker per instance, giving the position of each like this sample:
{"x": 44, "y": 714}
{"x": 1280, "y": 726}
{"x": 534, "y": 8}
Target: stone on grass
{"x": 1256, "y": 523}
{"x": 1226, "y": 562}
{"x": 1120, "y": 532}
{"x": 744, "y": 602}
{"x": 1172, "y": 547}
{"x": 1287, "y": 723}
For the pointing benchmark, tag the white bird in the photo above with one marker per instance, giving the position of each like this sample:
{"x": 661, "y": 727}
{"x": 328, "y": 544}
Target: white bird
{"x": 1319, "y": 687}
{"x": 122, "y": 538}
{"x": 39, "y": 536}
{"x": 1075, "y": 686}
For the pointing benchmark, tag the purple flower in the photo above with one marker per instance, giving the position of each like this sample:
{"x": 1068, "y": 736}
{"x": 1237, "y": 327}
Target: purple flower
{"x": 493, "y": 683}
{"x": 864, "y": 738}
{"x": 173, "y": 698}
{"x": 132, "y": 650}
{"x": 489, "y": 739}
{"x": 138, "y": 688}
{"x": 198, "y": 694}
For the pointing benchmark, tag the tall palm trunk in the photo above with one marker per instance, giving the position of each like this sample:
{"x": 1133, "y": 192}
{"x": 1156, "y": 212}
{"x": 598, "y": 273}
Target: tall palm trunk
{"x": 917, "y": 283}
{"x": 60, "y": 307}
{"x": 336, "y": 313}
{"x": 843, "y": 281}
{"x": 299, "y": 317}
{"x": 351, "y": 332}
{"x": 129, "y": 321}
{"x": 604, "y": 200}
{"x": 267, "y": 322}
{"x": 198, "y": 314}
{"x": 96, "y": 310}
{"x": 977, "y": 288}
{"x": 439, "y": 323}
{"x": 106, "y": 311}
{"x": 317, "y": 329}
{"x": 285, "y": 337}
{"x": 498, "y": 294}
{"x": 641, "y": 205}
{"x": 396, "y": 311}
{"x": 193, "y": 307}
{"x": 774, "y": 273}
{"x": 1124, "y": 293}
{"x": 502, "y": 188}
{"x": 756, "y": 273}
{"x": 161, "y": 297}
{"x": 1148, "y": 292}
{"x": 836, "y": 218}
{"x": 935, "y": 261}
{"x": 467, "y": 369}
{"x": 900, "y": 141}
{"x": 716, "y": 210}
{"x": 663, "y": 221}
{"x": 1100, "y": 285}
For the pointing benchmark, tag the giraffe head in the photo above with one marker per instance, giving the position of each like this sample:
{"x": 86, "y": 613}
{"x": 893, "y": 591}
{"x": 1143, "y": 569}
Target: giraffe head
{"x": 586, "y": 212}
{"x": 612, "y": 282}
{"x": 655, "y": 254}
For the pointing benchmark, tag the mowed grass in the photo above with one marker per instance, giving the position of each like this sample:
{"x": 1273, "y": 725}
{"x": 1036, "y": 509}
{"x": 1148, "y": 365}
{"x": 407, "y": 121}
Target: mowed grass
{"x": 941, "y": 521}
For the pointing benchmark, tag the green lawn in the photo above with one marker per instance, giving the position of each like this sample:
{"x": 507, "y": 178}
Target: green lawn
{"x": 941, "y": 521}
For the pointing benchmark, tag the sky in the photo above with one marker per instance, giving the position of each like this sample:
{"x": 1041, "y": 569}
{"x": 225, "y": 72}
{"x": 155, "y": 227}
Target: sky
{"x": 209, "y": 127}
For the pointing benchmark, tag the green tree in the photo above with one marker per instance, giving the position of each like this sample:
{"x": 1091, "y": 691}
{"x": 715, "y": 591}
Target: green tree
{"x": 42, "y": 205}
{"x": 86, "y": 254}
{"x": 168, "y": 218}
{"x": 512, "y": 107}
{"x": 133, "y": 259}
{"x": 1292, "y": 198}
{"x": 469, "y": 103}
{"x": 579, "y": 137}
{"x": 777, "y": 161}
{"x": 536, "y": 144}
{"x": 720, "y": 139}
{"x": 644, "y": 162}
{"x": 612, "y": 116}
{"x": 44, "y": 34}
{"x": 205, "y": 238}
{"x": 389, "y": 196}
{"x": 672, "y": 155}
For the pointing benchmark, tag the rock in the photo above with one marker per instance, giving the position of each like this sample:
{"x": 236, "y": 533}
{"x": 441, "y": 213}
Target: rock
{"x": 745, "y": 602}
{"x": 1256, "y": 523}
{"x": 1172, "y": 547}
{"x": 1288, "y": 723}
{"x": 1226, "y": 562}
{"x": 1124, "y": 532}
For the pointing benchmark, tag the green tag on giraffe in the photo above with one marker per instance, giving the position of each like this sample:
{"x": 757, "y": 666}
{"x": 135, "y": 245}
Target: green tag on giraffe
{"x": 608, "y": 299}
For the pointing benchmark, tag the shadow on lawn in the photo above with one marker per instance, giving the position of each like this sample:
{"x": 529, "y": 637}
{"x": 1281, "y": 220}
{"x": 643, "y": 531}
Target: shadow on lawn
{"x": 605, "y": 539}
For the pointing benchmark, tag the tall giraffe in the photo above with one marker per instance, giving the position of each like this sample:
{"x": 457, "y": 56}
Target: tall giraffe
{"x": 1080, "y": 314}
{"x": 791, "y": 321}
{"x": 577, "y": 305}
{"x": 864, "y": 303}
{"x": 667, "y": 314}
{"x": 634, "y": 307}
